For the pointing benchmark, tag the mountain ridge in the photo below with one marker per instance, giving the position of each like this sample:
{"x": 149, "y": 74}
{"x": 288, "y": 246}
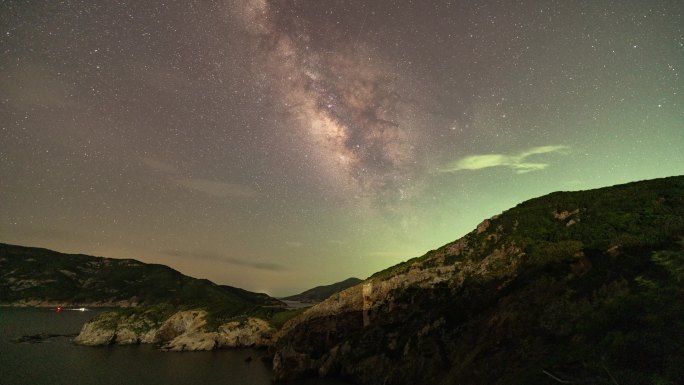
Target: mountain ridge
{"x": 32, "y": 275}
{"x": 319, "y": 293}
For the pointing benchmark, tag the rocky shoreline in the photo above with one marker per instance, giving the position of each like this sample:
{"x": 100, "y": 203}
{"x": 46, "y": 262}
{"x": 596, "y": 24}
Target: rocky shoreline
{"x": 183, "y": 331}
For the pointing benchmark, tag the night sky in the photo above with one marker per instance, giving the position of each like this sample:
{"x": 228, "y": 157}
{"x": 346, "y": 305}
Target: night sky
{"x": 279, "y": 145}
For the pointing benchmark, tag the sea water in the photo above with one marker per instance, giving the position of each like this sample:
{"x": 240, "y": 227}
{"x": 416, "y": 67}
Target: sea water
{"x": 58, "y": 361}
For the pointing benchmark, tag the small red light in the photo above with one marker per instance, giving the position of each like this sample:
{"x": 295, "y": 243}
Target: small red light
{"x": 59, "y": 308}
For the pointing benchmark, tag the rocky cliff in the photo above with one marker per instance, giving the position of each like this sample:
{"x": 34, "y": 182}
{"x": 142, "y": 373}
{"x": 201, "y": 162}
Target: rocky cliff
{"x": 183, "y": 331}
{"x": 581, "y": 287}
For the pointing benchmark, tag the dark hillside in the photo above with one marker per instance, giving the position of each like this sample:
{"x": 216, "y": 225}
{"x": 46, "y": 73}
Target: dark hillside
{"x": 37, "y": 276}
{"x": 573, "y": 287}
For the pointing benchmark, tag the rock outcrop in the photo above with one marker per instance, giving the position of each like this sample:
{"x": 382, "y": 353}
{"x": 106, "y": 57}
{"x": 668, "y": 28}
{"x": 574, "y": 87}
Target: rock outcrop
{"x": 183, "y": 331}
{"x": 248, "y": 332}
{"x": 115, "y": 328}
{"x": 96, "y": 334}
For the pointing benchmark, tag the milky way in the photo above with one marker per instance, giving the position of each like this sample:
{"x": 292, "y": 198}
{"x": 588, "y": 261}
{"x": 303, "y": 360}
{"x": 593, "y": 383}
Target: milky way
{"x": 342, "y": 97}
{"x": 277, "y": 145}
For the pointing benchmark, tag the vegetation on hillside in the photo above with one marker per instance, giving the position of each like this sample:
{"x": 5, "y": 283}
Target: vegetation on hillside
{"x": 573, "y": 287}
{"x": 45, "y": 276}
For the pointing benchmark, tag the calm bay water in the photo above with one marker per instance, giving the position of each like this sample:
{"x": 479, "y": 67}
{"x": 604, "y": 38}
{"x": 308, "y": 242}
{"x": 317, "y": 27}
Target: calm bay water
{"x": 57, "y": 361}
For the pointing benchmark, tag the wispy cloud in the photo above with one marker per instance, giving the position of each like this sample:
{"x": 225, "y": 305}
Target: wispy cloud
{"x": 519, "y": 163}
{"x": 261, "y": 265}
{"x": 214, "y": 188}
{"x": 206, "y": 186}
{"x": 296, "y": 244}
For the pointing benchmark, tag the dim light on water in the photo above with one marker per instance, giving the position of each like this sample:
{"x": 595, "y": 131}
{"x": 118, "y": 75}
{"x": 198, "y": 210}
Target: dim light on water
{"x": 59, "y": 309}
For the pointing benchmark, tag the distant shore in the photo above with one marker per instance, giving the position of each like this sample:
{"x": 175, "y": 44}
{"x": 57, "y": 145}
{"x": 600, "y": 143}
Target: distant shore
{"x": 297, "y": 304}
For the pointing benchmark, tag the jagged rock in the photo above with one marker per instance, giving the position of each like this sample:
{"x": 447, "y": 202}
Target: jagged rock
{"x": 564, "y": 214}
{"x": 180, "y": 323}
{"x": 101, "y": 331}
{"x": 148, "y": 337}
{"x": 126, "y": 336}
{"x": 189, "y": 334}
{"x": 251, "y": 332}
{"x": 483, "y": 226}
{"x": 184, "y": 331}
{"x": 192, "y": 341}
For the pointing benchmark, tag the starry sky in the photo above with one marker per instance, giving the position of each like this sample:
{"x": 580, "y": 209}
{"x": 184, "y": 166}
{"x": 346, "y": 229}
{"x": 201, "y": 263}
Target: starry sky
{"x": 277, "y": 145}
